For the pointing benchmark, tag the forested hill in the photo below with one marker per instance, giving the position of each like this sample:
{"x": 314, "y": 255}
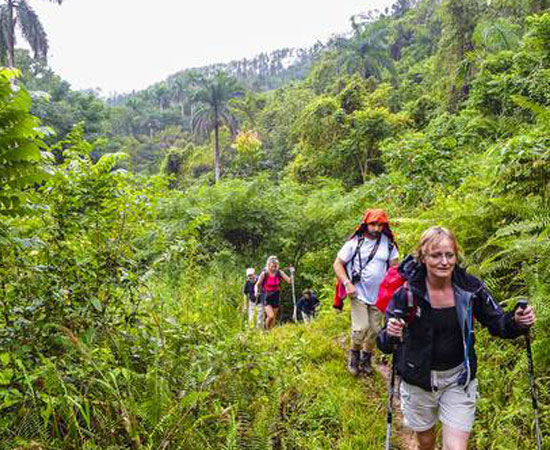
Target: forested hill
{"x": 263, "y": 72}
{"x": 124, "y": 243}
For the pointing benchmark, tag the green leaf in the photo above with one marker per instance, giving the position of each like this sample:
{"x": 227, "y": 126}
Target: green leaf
{"x": 4, "y": 358}
{"x": 5, "y": 376}
{"x": 96, "y": 304}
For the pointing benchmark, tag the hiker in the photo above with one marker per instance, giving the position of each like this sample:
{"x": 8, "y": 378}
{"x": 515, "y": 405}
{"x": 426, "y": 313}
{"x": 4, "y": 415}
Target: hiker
{"x": 307, "y": 305}
{"x": 252, "y": 303}
{"x": 360, "y": 266}
{"x": 269, "y": 287}
{"x": 437, "y": 306}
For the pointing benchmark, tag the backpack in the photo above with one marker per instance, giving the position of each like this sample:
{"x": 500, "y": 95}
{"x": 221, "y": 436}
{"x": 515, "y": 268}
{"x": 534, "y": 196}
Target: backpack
{"x": 392, "y": 282}
{"x": 277, "y": 275}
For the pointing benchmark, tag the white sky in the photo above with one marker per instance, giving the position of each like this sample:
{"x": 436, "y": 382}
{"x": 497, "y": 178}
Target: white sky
{"x": 121, "y": 45}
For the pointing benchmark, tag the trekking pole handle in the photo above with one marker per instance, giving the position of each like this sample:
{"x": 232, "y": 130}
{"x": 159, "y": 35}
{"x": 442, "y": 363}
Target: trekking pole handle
{"x": 398, "y": 315}
{"x": 522, "y": 304}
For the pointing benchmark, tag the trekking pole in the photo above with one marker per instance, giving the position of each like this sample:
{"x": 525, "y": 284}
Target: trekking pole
{"x": 390, "y": 402}
{"x": 523, "y": 304}
{"x": 295, "y": 312}
{"x": 398, "y": 314}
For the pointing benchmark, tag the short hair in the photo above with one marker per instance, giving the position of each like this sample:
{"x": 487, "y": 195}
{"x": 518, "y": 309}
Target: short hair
{"x": 272, "y": 259}
{"x": 434, "y": 235}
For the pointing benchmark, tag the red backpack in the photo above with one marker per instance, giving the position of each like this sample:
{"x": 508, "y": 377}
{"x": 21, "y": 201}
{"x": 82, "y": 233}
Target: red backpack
{"x": 391, "y": 283}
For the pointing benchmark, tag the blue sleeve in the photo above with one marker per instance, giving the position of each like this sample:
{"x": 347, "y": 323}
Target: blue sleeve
{"x": 490, "y": 314}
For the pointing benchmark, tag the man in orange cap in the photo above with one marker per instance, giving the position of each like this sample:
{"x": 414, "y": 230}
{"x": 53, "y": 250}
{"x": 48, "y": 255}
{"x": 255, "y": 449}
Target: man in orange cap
{"x": 360, "y": 266}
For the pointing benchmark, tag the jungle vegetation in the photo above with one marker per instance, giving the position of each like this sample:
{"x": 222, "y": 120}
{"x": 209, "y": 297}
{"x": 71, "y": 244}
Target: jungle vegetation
{"x": 123, "y": 243}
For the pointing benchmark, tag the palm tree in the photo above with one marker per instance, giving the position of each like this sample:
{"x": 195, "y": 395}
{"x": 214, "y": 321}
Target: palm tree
{"x": 18, "y": 13}
{"x": 179, "y": 92}
{"x": 212, "y": 95}
{"x": 367, "y": 52}
{"x": 498, "y": 35}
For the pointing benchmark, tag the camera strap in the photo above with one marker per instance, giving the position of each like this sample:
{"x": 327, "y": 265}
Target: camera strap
{"x": 358, "y": 253}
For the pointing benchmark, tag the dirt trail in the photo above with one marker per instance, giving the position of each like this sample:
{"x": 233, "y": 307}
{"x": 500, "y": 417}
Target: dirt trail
{"x": 403, "y": 436}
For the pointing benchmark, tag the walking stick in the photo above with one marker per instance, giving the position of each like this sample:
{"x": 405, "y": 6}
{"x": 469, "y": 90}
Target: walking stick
{"x": 295, "y": 313}
{"x": 390, "y": 402}
{"x": 391, "y": 388}
{"x": 523, "y": 304}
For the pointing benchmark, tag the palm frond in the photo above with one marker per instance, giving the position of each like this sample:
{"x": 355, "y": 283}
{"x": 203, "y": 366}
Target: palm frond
{"x": 496, "y": 36}
{"x": 203, "y": 121}
{"x": 542, "y": 113}
{"x": 32, "y": 30}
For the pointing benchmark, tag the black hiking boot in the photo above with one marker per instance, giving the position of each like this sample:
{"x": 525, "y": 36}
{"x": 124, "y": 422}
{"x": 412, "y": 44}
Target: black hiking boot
{"x": 353, "y": 362}
{"x": 365, "y": 365}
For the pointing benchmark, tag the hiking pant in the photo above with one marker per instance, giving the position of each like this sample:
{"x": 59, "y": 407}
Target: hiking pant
{"x": 307, "y": 318}
{"x": 255, "y": 309}
{"x": 365, "y": 324}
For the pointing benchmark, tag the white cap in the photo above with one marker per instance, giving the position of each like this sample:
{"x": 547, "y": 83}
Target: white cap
{"x": 249, "y": 271}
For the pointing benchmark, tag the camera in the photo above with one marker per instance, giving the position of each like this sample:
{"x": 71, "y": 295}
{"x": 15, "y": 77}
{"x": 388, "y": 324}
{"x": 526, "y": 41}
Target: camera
{"x": 355, "y": 278}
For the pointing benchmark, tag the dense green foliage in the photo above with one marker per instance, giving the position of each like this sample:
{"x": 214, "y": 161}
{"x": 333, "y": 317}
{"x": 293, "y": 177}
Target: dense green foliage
{"x": 120, "y": 288}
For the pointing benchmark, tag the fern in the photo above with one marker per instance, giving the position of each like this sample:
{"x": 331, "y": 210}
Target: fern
{"x": 20, "y": 146}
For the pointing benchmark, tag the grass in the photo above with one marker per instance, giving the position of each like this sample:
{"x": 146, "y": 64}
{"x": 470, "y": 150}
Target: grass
{"x": 190, "y": 374}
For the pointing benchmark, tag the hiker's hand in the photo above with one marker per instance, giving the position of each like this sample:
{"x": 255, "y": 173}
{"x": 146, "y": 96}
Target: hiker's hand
{"x": 350, "y": 289}
{"x": 395, "y": 327}
{"x": 524, "y": 318}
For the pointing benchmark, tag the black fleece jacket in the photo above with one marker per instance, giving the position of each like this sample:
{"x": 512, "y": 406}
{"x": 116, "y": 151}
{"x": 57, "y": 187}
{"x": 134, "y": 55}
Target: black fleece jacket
{"x": 413, "y": 355}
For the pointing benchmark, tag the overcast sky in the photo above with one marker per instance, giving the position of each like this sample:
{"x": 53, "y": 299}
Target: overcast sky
{"x": 122, "y": 45}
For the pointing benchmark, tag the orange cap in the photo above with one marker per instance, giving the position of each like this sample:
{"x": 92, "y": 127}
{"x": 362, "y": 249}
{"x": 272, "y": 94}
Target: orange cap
{"x": 375, "y": 215}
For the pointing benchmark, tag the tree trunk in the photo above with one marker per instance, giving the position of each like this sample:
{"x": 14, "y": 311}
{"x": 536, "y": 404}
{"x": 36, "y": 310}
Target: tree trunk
{"x": 362, "y": 170}
{"x": 216, "y": 147}
{"x": 11, "y": 35}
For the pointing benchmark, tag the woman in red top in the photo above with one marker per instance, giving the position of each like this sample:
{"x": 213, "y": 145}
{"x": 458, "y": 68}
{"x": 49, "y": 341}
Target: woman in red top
{"x": 269, "y": 283}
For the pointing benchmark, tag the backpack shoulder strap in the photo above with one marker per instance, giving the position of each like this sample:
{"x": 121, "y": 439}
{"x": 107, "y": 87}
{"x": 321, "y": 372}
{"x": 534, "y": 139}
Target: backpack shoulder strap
{"x": 412, "y": 303}
{"x": 360, "y": 240}
{"x": 391, "y": 246}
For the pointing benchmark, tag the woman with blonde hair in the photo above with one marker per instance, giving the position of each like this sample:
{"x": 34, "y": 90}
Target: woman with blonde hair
{"x": 268, "y": 287}
{"x": 430, "y": 321}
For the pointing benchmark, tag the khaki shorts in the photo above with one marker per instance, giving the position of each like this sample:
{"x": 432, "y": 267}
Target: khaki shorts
{"x": 452, "y": 404}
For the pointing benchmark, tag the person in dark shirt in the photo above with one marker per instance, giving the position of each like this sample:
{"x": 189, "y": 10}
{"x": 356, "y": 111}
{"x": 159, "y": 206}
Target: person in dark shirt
{"x": 252, "y": 303}
{"x": 307, "y": 305}
{"x": 429, "y": 323}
